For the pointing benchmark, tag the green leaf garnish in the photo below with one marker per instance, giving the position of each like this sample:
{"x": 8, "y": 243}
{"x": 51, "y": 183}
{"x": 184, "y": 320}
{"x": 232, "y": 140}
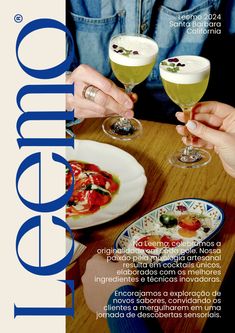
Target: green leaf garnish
{"x": 173, "y": 69}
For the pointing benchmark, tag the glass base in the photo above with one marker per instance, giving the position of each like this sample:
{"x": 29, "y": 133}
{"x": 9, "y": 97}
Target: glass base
{"x": 197, "y": 158}
{"x": 117, "y": 128}
{"x": 71, "y": 123}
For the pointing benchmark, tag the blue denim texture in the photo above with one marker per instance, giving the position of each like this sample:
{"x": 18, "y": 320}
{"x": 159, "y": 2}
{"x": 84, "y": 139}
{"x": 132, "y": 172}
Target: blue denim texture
{"x": 94, "y": 22}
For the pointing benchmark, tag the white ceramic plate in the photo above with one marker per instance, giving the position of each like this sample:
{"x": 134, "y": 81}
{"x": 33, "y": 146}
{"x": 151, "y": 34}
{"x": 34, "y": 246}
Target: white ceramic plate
{"x": 117, "y": 162}
{"x": 210, "y": 216}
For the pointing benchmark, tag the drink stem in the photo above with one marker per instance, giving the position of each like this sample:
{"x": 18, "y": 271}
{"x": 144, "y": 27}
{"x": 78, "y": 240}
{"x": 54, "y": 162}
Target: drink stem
{"x": 124, "y": 122}
{"x": 128, "y": 88}
{"x": 188, "y": 115}
{"x": 189, "y": 153}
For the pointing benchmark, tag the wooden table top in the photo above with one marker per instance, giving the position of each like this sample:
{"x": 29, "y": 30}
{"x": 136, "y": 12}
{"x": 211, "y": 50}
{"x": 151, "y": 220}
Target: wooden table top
{"x": 167, "y": 183}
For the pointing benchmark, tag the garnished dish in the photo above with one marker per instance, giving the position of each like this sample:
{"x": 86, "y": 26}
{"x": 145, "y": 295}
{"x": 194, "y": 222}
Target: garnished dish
{"x": 108, "y": 182}
{"x": 171, "y": 230}
{"x": 93, "y": 188}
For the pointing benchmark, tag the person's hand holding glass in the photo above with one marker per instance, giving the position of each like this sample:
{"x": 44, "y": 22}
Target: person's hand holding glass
{"x": 132, "y": 59}
{"x": 185, "y": 79}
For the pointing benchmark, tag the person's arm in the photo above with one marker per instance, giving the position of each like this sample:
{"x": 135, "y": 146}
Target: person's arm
{"x": 214, "y": 125}
{"x": 105, "y": 297}
{"x": 120, "y": 321}
{"x": 100, "y": 280}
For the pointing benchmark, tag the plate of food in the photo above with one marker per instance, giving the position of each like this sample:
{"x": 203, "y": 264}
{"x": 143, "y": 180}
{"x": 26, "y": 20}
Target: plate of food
{"x": 170, "y": 231}
{"x": 108, "y": 182}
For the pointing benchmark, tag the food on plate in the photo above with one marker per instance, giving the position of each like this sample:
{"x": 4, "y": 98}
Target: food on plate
{"x": 93, "y": 188}
{"x": 186, "y": 223}
{"x": 169, "y": 232}
{"x": 168, "y": 220}
{"x": 189, "y": 222}
{"x": 187, "y": 233}
{"x": 150, "y": 242}
{"x": 153, "y": 242}
{"x": 168, "y": 241}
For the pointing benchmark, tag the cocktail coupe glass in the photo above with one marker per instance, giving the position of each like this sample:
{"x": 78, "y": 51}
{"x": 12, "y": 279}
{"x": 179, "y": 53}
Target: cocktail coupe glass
{"x": 132, "y": 58}
{"x": 185, "y": 79}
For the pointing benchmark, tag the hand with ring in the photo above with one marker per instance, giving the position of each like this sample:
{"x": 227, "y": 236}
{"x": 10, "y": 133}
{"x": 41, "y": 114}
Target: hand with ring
{"x": 97, "y": 96}
{"x": 214, "y": 126}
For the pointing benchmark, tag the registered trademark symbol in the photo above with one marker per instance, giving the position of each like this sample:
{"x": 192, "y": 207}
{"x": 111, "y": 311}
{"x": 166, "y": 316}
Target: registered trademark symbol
{"x": 18, "y": 18}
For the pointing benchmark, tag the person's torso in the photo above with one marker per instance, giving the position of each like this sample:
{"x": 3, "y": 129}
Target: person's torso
{"x": 179, "y": 27}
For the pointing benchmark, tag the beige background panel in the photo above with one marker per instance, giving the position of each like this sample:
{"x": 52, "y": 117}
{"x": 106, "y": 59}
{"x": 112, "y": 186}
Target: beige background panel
{"x": 18, "y": 285}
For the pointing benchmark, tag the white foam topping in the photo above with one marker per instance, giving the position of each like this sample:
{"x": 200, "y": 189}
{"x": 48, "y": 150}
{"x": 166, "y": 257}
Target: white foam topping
{"x": 147, "y": 50}
{"x": 195, "y": 69}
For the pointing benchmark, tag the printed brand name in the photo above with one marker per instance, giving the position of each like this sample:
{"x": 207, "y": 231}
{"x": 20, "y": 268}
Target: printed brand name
{"x": 35, "y": 160}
